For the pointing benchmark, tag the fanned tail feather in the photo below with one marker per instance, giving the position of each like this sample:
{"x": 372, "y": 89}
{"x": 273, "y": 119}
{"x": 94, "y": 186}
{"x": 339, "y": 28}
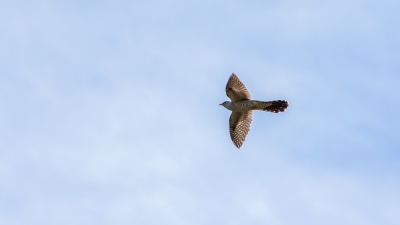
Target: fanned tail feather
{"x": 274, "y": 106}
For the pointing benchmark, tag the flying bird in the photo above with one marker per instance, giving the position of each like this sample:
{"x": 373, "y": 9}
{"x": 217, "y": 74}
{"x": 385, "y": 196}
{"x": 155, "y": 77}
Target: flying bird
{"x": 241, "y": 106}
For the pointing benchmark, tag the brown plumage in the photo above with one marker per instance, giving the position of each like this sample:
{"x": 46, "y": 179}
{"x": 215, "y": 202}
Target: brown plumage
{"x": 236, "y": 90}
{"x": 241, "y": 106}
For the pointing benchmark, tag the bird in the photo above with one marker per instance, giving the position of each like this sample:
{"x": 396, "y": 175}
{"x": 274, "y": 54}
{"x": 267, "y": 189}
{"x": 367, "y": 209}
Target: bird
{"x": 242, "y": 106}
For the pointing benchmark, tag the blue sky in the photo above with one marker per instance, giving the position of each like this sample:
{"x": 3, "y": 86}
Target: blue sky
{"x": 109, "y": 112}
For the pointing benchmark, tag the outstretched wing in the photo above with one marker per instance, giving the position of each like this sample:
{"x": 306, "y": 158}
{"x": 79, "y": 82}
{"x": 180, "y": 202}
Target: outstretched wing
{"x": 239, "y": 126}
{"x": 236, "y": 90}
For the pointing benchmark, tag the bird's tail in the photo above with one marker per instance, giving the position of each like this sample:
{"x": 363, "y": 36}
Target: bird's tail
{"x": 272, "y": 106}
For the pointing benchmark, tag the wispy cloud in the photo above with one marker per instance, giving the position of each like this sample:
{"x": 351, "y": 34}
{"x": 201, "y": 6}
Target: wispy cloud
{"x": 109, "y": 113}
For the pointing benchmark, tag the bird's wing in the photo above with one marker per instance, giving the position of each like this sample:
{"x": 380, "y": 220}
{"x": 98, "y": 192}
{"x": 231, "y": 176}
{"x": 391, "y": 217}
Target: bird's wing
{"x": 239, "y": 126}
{"x": 236, "y": 90}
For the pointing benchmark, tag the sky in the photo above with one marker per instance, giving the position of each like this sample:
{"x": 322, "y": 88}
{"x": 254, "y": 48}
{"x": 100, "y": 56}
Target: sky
{"x": 109, "y": 112}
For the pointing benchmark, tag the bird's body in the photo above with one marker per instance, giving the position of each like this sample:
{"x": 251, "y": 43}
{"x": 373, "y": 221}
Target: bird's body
{"x": 241, "y": 106}
{"x": 246, "y": 105}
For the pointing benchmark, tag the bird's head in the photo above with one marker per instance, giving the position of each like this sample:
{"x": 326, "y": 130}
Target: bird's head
{"x": 225, "y": 104}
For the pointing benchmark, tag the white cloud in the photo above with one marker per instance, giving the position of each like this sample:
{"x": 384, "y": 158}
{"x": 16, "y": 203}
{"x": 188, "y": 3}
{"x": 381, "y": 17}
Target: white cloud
{"x": 110, "y": 113}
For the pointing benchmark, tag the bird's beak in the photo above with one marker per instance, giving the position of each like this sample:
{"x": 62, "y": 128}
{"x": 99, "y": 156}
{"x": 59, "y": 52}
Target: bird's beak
{"x": 220, "y": 104}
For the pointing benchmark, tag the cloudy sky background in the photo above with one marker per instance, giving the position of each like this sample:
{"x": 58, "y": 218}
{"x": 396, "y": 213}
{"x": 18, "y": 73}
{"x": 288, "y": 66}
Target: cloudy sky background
{"x": 109, "y": 112}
